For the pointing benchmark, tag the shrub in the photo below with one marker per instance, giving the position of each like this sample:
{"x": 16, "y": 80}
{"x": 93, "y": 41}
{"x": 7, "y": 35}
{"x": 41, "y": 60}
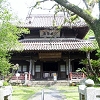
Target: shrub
{"x": 5, "y": 83}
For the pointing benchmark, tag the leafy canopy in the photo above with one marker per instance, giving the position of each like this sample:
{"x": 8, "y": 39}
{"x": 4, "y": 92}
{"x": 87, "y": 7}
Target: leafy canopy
{"x": 9, "y": 35}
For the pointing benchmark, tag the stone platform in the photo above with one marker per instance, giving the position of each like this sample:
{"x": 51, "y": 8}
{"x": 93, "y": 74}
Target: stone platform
{"x": 49, "y": 83}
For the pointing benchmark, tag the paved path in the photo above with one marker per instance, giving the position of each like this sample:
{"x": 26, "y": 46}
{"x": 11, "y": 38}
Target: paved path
{"x": 49, "y": 94}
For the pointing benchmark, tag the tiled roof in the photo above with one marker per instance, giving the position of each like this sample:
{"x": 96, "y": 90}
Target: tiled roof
{"x": 47, "y": 21}
{"x": 54, "y": 44}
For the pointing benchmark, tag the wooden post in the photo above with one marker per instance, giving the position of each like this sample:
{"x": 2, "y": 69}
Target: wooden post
{"x": 69, "y": 68}
{"x": 26, "y": 73}
{"x": 33, "y": 72}
{"x": 30, "y": 69}
{"x": 70, "y": 75}
{"x": 67, "y": 72}
{"x": 69, "y": 65}
{"x": 83, "y": 75}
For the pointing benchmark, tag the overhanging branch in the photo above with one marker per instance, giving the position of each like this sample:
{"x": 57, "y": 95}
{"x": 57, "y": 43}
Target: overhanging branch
{"x": 86, "y": 4}
{"x": 99, "y": 9}
{"x": 87, "y": 17}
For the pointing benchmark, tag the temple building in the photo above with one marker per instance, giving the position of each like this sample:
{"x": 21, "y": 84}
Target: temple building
{"x": 48, "y": 50}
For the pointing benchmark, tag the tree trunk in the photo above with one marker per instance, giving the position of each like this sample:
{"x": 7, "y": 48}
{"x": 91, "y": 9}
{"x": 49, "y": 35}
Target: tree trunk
{"x": 96, "y": 29}
{"x": 90, "y": 66}
{"x": 87, "y": 70}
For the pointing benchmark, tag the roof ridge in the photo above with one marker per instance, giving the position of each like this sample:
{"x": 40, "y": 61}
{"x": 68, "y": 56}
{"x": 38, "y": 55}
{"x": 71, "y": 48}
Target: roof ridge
{"x": 54, "y": 40}
{"x": 46, "y": 15}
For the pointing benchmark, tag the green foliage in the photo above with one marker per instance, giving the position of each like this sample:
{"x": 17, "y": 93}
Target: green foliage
{"x": 9, "y": 35}
{"x": 4, "y": 65}
{"x": 5, "y": 83}
{"x": 93, "y": 66}
{"x": 81, "y": 70}
{"x": 84, "y": 62}
{"x": 74, "y": 17}
{"x": 90, "y": 33}
{"x": 95, "y": 63}
{"x": 98, "y": 53}
{"x": 87, "y": 49}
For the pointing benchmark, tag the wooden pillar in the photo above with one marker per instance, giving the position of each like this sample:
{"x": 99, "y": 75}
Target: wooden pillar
{"x": 67, "y": 69}
{"x": 30, "y": 69}
{"x": 33, "y": 68}
{"x": 69, "y": 62}
{"x": 26, "y": 73}
{"x": 41, "y": 70}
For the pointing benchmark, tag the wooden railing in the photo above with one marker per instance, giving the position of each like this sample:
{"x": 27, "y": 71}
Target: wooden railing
{"x": 21, "y": 77}
{"x": 76, "y": 76}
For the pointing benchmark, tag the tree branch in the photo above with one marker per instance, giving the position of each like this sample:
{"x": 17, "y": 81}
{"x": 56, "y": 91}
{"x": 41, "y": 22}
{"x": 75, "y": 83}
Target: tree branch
{"x": 87, "y": 17}
{"x": 38, "y": 2}
{"x": 86, "y": 4}
{"x": 32, "y": 7}
{"x": 49, "y": 8}
{"x": 99, "y": 9}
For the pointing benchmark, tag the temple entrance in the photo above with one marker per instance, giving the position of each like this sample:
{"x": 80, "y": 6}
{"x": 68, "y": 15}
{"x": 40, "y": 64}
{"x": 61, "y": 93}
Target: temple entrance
{"x": 49, "y": 69}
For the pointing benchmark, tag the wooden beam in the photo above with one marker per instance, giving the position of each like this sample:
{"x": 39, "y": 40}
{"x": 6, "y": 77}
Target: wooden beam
{"x": 49, "y": 55}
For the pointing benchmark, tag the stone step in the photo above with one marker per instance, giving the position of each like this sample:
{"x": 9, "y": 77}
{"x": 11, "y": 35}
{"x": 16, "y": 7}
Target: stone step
{"x": 48, "y": 83}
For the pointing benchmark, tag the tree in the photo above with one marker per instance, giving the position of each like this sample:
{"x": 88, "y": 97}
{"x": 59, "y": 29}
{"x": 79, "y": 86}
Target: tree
{"x": 91, "y": 66}
{"x": 9, "y": 35}
{"x": 93, "y": 23}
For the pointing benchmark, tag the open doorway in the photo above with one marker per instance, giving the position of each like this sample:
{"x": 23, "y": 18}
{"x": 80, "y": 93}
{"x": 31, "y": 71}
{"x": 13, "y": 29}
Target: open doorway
{"x": 49, "y": 68}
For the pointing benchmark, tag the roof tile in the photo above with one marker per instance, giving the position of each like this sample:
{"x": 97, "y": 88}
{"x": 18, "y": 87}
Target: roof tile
{"x": 44, "y": 20}
{"x": 62, "y": 44}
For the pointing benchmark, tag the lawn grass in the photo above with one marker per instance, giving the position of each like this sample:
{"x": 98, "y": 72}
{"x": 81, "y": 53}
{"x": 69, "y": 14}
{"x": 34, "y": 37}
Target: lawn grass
{"x": 24, "y": 92}
{"x": 70, "y": 92}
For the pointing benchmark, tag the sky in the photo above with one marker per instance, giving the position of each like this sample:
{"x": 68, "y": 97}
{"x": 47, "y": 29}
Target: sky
{"x": 21, "y": 7}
